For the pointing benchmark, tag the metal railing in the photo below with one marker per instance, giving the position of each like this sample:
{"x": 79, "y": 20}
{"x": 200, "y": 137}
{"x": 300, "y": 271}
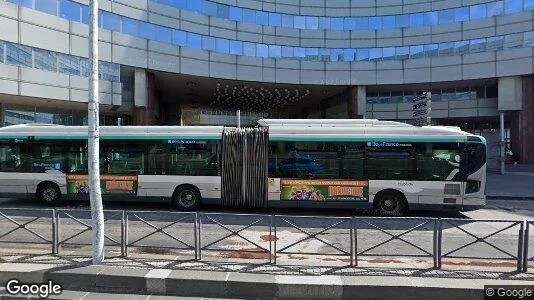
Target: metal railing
{"x": 272, "y": 238}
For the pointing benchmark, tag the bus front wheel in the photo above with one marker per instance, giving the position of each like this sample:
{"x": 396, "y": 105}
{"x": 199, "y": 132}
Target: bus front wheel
{"x": 186, "y": 198}
{"x": 390, "y": 204}
{"x": 49, "y": 194}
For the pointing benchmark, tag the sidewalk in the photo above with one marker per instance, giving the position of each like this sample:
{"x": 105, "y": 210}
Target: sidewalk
{"x": 76, "y": 279}
{"x": 516, "y": 184}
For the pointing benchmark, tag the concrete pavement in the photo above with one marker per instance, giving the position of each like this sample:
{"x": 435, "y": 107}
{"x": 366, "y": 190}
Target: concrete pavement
{"x": 186, "y": 283}
{"x": 516, "y": 184}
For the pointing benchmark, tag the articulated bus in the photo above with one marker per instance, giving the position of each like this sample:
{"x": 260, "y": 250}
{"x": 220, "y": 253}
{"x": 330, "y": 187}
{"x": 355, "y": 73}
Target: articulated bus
{"x": 386, "y": 166}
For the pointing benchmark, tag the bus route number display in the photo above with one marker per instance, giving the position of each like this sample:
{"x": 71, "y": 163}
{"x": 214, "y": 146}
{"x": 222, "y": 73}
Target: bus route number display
{"x": 110, "y": 184}
{"x": 324, "y": 190}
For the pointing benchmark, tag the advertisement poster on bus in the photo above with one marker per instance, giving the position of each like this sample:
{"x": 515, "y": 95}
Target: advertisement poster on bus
{"x": 110, "y": 184}
{"x": 324, "y": 190}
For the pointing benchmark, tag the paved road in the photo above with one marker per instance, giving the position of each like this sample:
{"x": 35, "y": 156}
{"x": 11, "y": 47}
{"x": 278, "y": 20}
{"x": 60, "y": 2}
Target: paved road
{"x": 292, "y": 234}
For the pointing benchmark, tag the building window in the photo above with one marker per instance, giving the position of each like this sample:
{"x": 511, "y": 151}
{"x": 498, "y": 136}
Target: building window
{"x": 430, "y": 18}
{"x": 2, "y": 46}
{"x": 208, "y": 43}
{"x": 179, "y": 38}
{"x": 275, "y": 19}
{"x": 70, "y": 10}
{"x": 512, "y": 6}
{"x": 236, "y": 47}
{"x": 45, "y": 60}
{"x": 495, "y": 8}
{"x": 47, "y": 6}
{"x": 69, "y": 64}
{"x": 18, "y": 55}
{"x": 194, "y": 41}
{"x": 461, "y": 14}
{"x": 446, "y": 16}
{"x": 222, "y": 45}
{"x": 477, "y": 12}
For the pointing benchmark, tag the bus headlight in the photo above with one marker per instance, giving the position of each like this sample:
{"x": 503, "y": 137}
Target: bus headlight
{"x": 472, "y": 186}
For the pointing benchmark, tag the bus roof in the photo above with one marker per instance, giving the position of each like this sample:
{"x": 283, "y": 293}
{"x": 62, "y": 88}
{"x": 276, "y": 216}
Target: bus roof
{"x": 329, "y": 122}
{"x": 46, "y": 131}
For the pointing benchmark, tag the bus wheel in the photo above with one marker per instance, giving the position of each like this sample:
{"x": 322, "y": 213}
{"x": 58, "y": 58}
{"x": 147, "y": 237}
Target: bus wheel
{"x": 186, "y": 198}
{"x": 390, "y": 204}
{"x": 50, "y": 194}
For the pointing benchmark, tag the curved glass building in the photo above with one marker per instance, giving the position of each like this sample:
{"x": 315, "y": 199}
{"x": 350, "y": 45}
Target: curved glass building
{"x": 187, "y": 62}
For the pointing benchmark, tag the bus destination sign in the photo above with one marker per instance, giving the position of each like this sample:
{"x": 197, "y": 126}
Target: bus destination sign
{"x": 324, "y": 190}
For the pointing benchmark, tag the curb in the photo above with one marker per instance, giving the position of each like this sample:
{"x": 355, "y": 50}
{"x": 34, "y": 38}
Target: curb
{"x": 243, "y": 285}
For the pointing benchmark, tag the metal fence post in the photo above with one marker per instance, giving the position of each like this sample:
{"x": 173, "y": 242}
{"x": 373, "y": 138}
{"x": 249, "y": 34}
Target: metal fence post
{"x": 271, "y": 239}
{"x": 54, "y": 232}
{"x": 126, "y": 236}
{"x": 435, "y": 243}
{"x": 123, "y": 230}
{"x": 200, "y": 237}
{"x": 275, "y": 240}
{"x": 195, "y": 233}
{"x": 352, "y": 241}
{"x": 525, "y": 247}
{"x": 355, "y": 241}
{"x": 439, "y": 243}
{"x": 520, "y": 247}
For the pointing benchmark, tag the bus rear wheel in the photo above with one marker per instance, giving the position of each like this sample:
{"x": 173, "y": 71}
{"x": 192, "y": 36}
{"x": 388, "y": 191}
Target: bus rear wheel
{"x": 390, "y": 204}
{"x": 49, "y": 194}
{"x": 186, "y": 198}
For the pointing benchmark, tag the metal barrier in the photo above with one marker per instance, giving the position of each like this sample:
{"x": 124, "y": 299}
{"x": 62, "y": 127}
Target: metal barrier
{"x": 334, "y": 222}
{"x": 264, "y": 237}
{"x": 484, "y": 239}
{"x": 397, "y": 234}
{"x": 175, "y": 218}
{"x": 80, "y": 217}
{"x": 13, "y": 216}
{"x": 243, "y": 222}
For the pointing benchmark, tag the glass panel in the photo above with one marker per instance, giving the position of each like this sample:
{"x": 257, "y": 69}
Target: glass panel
{"x": 236, "y": 13}
{"x": 223, "y": 45}
{"x": 478, "y": 45}
{"x": 336, "y": 55}
{"x": 109, "y": 71}
{"x": 45, "y": 60}
{"x": 312, "y": 23}
{"x": 275, "y": 51}
{"x": 147, "y": 31}
{"x": 208, "y": 43}
{"x": 362, "y": 23}
{"x": 262, "y": 50}
{"x": 194, "y": 5}
{"x": 69, "y": 64}
{"x": 375, "y": 22}
{"x": 446, "y": 16}
{"x": 446, "y": 49}
{"x": 430, "y": 50}
{"x": 461, "y": 47}
{"x": 47, "y": 6}
{"x": 461, "y": 14}
{"x": 209, "y": 8}
{"x": 402, "y": 21}
{"x": 249, "y": 49}
{"x": 275, "y": 19}
{"x": 236, "y": 47}
{"x": 179, "y": 37}
{"x": 389, "y": 163}
{"x": 336, "y": 23}
{"x": 528, "y": 39}
{"x": 388, "y": 22}
{"x": 70, "y": 10}
{"x": 324, "y": 54}
{"x": 349, "y": 24}
{"x": 262, "y": 18}
{"x": 249, "y": 16}
{"x": 194, "y": 41}
{"x": 436, "y": 161}
{"x": 287, "y": 51}
{"x": 287, "y": 21}
{"x": 299, "y": 52}
{"x": 349, "y": 54}
{"x": 85, "y": 68}
{"x": 223, "y": 11}
{"x": 430, "y": 18}
{"x": 375, "y": 54}
{"x": 512, "y": 6}
{"x": 85, "y": 14}
{"x": 495, "y": 8}
{"x": 416, "y": 51}
{"x": 416, "y": 20}
{"x": 25, "y": 3}
{"x": 363, "y": 54}
{"x": 18, "y": 55}
{"x": 2, "y": 44}
{"x": 402, "y": 53}
{"x": 164, "y": 34}
{"x": 513, "y": 40}
{"x": 494, "y": 43}
{"x": 324, "y": 23}
{"x": 388, "y": 53}
{"x": 477, "y": 12}
{"x": 130, "y": 26}
{"x": 300, "y": 22}
{"x": 529, "y": 4}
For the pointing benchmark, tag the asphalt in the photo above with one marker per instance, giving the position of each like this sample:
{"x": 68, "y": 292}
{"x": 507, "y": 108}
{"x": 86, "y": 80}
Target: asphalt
{"x": 134, "y": 283}
{"x": 516, "y": 184}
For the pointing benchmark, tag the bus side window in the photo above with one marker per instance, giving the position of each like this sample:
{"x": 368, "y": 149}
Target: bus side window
{"x": 10, "y": 157}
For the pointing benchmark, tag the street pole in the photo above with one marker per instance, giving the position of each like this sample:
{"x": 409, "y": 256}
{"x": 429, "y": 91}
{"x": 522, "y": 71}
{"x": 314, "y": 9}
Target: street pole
{"x": 502, "y": 143}
{"x": 238, "y": 118}
{"x": 97, "y": 213}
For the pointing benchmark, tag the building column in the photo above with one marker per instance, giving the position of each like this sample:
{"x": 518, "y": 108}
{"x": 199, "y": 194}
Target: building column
{"x": 510, "y": 98}
{"x": 146, "y": 102}
{"x": 525, "y": 123}
{"x": 356, "y": 102}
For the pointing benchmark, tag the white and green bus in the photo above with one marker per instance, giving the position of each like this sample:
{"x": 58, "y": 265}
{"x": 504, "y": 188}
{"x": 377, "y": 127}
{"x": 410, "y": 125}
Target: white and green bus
{"x": 382, "y": 165}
